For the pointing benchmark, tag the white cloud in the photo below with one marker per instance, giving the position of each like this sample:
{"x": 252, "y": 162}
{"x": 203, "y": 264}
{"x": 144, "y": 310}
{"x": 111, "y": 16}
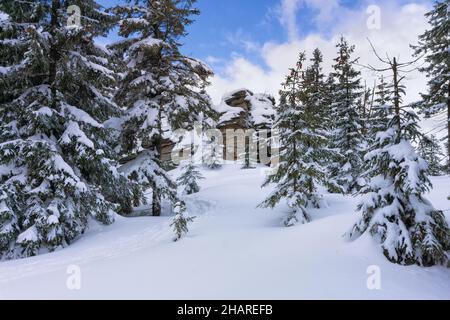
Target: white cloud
{"x": 288, "y": 17}
{"x": 213, "y": 60}
{"x": 287, "y": 13}
{"x": 327, "y": 9}
{"x": 400, "y": 26}
{"x": 242, "y": 39}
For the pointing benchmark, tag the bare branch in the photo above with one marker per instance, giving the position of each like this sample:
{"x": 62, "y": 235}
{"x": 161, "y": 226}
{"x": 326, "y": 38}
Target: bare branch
{"x": 376, "y": 53}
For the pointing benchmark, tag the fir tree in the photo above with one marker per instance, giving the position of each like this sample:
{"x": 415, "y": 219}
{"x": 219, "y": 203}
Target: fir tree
{"x": 287, "y": 176}
{"x": 329, "y": 97}
{"x": 189, "y": 177}
{"x": 329, "y": 123}
{"x": 261, "y": 119}
{"x": 378, "y": 117}
{"x": 249, "y": 155}
{"x": 58, "y": 167}
{"x": 430, "y": 151}
{"x": 394, "y": 210}
{"x": 364, "y": 106}
{"x": 212, "y": 151}
{"x": 347, "y": 135}
{"x": 316, "y": 134}
{"x": 447, "y": 165}
{"x": 434, "y": 43}
{"x": 162, "y": 89}
{"x": 303, "y": 144}
{"x": 180, "y": 221}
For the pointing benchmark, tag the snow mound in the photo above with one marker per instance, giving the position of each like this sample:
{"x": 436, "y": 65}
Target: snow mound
{"x": 234, "y": 251}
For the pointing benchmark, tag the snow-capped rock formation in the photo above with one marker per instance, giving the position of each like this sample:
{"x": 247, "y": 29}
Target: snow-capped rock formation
{"x": 244, "y": 109}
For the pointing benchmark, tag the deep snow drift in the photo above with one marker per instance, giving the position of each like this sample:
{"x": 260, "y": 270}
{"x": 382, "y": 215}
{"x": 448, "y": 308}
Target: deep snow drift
{"x": 234, "y": 251}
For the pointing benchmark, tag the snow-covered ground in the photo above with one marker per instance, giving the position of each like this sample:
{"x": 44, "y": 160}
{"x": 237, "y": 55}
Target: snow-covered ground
{"x": 234, "y": 251}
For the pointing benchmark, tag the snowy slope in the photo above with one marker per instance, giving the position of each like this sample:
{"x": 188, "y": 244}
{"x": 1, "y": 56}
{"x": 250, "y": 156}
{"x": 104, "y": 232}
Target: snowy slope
{"x": 233, "y": 251}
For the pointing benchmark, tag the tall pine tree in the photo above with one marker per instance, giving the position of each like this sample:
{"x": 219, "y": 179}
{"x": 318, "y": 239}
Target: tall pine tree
{"x": 329, "y": 122}
{"x": 435, "y": 44}
{"x": 162, "y": 89}
{"x": 316, "y": 117}
{"x": 430, "y": 150}
{"x": 57, "y": 165}
{"x": 378, "y": 117}
{"x": 303, "y": 142}
{"x": 394, "y": 210}
{"x": 347, "y": 137}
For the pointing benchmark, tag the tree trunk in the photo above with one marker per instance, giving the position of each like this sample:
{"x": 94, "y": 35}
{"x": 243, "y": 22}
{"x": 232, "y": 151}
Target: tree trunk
{"x": 448, "y": 127}
{"x": 53, "y": 51}
{"x": 156, "y": 199}
{"x": 396, "y": 95}
{"x": 295, "y": 176}
{"x": 156, "y": 202}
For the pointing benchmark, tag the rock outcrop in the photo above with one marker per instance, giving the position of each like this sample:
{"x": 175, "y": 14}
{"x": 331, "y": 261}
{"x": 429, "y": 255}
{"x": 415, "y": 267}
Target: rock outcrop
{"x": 242, "y": 109}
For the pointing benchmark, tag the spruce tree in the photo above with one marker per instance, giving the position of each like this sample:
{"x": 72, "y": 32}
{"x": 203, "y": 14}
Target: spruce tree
{"x": 212, "y": 151}
{"x": 58, "y": 169}
{"x": 162, "y": 89}
{"x": 289, "y": 185}
{"x": 303, "y": 143}
{"x": 364, "y": 106}
{"x": 380, "y": 110}
{"x": 262, "y": 120}
{"x": 434, "y": 44}
{"x": 329, "y": 123}
{"x": 430, "y": 151}
{"x": 316, "y": 117}
{"x": 249, "y": 155}
{"x": 447, "y": 166}
{"x": 347, "y": 138}
{"x": 190, "y": 175}
{"x": 329, "y": 90}
{"x": 180, "y": 221}
{"x": 394, "y": 210}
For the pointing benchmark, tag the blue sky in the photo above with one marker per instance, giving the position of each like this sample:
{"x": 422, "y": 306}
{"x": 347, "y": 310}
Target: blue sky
{"x": 215, "y": 30}
{"x": 234, "y": 27}
{"x": 253, "y": 43}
